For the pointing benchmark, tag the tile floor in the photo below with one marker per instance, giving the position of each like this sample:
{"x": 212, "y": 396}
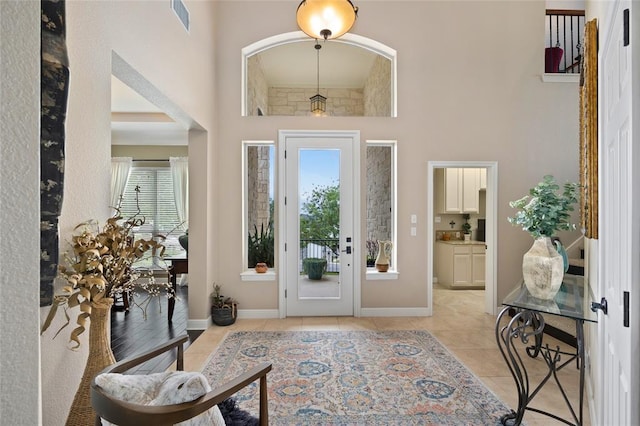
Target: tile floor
{"x": 458, "y": 322}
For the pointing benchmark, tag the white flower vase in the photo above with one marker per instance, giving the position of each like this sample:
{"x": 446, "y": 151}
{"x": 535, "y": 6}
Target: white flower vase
{"x": 543, "y": 269}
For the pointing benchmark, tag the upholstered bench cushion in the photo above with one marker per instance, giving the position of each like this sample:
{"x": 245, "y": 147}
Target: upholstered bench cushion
{"x": 174, "y": 387}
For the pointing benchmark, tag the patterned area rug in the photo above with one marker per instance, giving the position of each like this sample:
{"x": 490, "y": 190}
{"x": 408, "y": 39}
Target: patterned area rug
{"x": 356, "y": 378}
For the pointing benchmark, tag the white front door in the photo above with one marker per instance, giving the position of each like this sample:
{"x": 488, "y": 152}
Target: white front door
{"x": 620, "y": 211}
{"x": 319, "y": 215}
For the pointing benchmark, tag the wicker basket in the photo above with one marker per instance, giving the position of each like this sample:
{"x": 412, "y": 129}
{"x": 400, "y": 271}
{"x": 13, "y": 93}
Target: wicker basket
{"x": 225, "y": 315}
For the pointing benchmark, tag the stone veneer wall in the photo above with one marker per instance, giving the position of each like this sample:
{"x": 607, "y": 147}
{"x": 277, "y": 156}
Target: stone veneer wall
{"x": 257, "y": 91}
{"x": 378, "y": 193}
{"x": 257, "y": 186}
{"x": 377, "y": 89}
{"x": 295, "y": 101}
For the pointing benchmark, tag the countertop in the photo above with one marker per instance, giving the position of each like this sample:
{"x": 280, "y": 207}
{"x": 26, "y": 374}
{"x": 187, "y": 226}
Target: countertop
{"x": 462, "y": 242}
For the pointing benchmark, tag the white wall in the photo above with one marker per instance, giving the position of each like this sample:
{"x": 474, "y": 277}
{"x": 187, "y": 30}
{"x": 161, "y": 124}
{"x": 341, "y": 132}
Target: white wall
{"x": 19, "y": 213}
{"x": 176, "y": 69}
{"x": 477, "y": 96}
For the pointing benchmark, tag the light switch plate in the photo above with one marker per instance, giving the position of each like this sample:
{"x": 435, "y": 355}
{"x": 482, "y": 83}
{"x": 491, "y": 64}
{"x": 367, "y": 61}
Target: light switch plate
{"x": 414, "y": 218}
{"x": 413, "y": 231}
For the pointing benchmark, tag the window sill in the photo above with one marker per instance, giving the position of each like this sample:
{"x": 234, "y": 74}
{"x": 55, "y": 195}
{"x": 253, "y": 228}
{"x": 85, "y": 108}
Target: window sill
{"x": 560, "y": 78}
{"x": 270, "y": 275}
{"x": 373, "y": 275}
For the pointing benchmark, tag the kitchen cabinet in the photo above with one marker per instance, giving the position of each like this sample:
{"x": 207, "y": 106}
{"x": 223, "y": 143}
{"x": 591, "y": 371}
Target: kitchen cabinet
{"x": 460, "y": 264}
{"x": 457, "y": 190}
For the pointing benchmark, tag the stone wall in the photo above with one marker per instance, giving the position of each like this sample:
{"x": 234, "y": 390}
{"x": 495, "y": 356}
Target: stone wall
{"x": 257, "y": 187}
{"x": 378, "y": 193}
{"x": 295, "y": 101}
{"x": 257, "y": 91}
{"x": 377, "y": 89}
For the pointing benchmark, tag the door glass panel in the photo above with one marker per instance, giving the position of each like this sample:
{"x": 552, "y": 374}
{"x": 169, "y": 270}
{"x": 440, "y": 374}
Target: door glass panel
{"x": 319, "y": 224}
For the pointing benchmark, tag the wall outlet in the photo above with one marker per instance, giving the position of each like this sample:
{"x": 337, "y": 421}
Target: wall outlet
{"x": 438, "y": 219}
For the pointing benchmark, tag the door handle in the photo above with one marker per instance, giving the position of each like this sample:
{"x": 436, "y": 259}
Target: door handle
{"x": 602, "y": 305}
{"x": 347, "y": 250}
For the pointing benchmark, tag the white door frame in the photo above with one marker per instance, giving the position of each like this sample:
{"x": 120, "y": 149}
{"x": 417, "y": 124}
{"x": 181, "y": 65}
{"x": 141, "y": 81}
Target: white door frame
{"x": 491, "y": 304}
{"x": 354, "y": 135}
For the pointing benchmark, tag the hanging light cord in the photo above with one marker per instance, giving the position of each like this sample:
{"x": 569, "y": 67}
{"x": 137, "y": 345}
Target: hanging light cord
{"x": 318, "y": 47}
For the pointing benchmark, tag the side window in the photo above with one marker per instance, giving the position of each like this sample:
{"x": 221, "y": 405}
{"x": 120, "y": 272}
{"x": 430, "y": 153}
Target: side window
{"x": 381, "y": 201}
{"x": 156, "y": 203}
{"x": 258, "y": 202}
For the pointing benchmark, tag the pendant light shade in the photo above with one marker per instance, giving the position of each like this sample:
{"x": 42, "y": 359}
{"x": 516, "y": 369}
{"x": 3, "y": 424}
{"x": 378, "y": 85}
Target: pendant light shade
{"x": 326, "y": 19}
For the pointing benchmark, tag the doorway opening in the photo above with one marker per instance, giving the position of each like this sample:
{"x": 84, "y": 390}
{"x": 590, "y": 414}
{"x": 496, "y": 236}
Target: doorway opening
{"x": 462, "y": 193}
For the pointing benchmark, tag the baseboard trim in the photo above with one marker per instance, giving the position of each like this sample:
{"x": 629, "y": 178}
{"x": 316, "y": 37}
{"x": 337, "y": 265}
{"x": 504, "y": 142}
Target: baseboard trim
{"x": 394, "y": 312}
{"x": 199, "y": 324}
{"x": 258, "y": 313}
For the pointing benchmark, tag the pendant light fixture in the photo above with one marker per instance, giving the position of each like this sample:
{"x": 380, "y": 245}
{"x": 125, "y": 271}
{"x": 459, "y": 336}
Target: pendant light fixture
{"x": 318, "y": 102}
{"x": 326, "y": 19}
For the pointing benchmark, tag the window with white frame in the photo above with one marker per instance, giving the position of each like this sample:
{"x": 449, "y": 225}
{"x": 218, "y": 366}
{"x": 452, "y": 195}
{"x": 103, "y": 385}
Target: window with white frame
{"x": 258, "y": 201}
{"x": 156, "y": 203}
{"x": 381, "y": 200}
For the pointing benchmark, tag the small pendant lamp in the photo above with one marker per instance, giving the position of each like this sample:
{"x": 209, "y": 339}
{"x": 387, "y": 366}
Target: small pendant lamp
{"x": 318, "y": 102}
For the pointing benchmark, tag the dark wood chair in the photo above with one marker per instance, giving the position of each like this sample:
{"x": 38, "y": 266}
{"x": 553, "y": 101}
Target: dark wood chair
{"x": 124, "y": 413}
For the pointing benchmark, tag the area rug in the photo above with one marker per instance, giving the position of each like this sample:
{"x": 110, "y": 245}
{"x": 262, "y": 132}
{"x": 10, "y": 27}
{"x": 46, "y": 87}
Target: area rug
{"x": 356, "y": 378}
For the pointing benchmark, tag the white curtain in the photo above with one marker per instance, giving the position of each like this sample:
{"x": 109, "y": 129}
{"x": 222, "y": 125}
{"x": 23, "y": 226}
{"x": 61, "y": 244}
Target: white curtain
{"x": 120, "y": 168}
{"x": 180, "y": 175}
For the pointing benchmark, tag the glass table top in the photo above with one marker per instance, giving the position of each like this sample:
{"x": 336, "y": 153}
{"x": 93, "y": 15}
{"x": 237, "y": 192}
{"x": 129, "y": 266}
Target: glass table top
{"x": 570, "y": 302}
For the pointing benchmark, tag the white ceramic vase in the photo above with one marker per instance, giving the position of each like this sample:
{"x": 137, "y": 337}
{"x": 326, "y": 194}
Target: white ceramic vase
{"x": 543, "y": 269}
{"x": 384, "y": 254}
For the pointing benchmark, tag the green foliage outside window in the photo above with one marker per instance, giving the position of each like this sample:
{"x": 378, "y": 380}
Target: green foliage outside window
{"x": 320, "y": 219}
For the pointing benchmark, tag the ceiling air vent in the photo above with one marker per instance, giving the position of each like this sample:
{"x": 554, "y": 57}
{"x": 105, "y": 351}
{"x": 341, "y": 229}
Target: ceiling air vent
{"x": 181, "y": 12}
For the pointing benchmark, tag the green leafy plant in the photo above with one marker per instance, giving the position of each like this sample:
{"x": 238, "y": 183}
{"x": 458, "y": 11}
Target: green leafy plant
{"x": 261, "y": 246}
{"x": 545, "y": 210}
{"x": 466, "y": 226}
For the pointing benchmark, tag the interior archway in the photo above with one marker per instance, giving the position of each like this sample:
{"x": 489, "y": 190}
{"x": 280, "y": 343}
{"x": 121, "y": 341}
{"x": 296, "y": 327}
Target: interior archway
{"x": 350, "y": 68}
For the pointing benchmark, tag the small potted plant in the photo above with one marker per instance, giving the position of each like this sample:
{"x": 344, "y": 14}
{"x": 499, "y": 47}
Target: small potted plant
{"x": 224, "y": 310}
{"x": 314, "y": 267}
{"x": 543, "y": 212}
{"x": 466, "y": 227}
{"x": 261, "y": 248}
{"x": 372, "y": 249}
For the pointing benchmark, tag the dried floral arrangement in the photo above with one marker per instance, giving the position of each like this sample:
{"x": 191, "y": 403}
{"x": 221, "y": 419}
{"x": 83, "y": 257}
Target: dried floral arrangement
{"x": 101, "y": 265}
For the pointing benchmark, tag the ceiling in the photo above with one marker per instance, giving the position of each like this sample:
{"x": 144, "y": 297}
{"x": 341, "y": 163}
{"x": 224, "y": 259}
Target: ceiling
{"x": 295, "y": 64}
{"x": 136, "y": 121}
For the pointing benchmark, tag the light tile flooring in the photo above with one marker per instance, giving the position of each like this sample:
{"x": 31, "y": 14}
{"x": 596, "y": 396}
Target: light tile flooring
{"x": 458, "y": 322}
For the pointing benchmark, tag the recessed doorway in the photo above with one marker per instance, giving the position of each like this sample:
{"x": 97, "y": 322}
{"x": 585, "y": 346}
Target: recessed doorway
{"x": 447, "y": 211}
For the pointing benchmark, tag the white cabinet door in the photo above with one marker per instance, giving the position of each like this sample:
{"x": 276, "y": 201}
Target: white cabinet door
{"x": 453, "y": 190}
{"x": 478, "y": 258}
{"x": 483, "y": 178}
{"x": 462, "y": 269}
{"x": 470, "y": 190}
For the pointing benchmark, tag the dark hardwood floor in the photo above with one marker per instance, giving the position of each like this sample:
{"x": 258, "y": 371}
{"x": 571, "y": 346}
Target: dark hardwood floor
{"x": 131, "y": 334}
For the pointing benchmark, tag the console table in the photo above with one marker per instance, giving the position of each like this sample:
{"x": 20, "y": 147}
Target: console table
{"x": 179, "y": 265}
{"x": 528, "y": 324}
